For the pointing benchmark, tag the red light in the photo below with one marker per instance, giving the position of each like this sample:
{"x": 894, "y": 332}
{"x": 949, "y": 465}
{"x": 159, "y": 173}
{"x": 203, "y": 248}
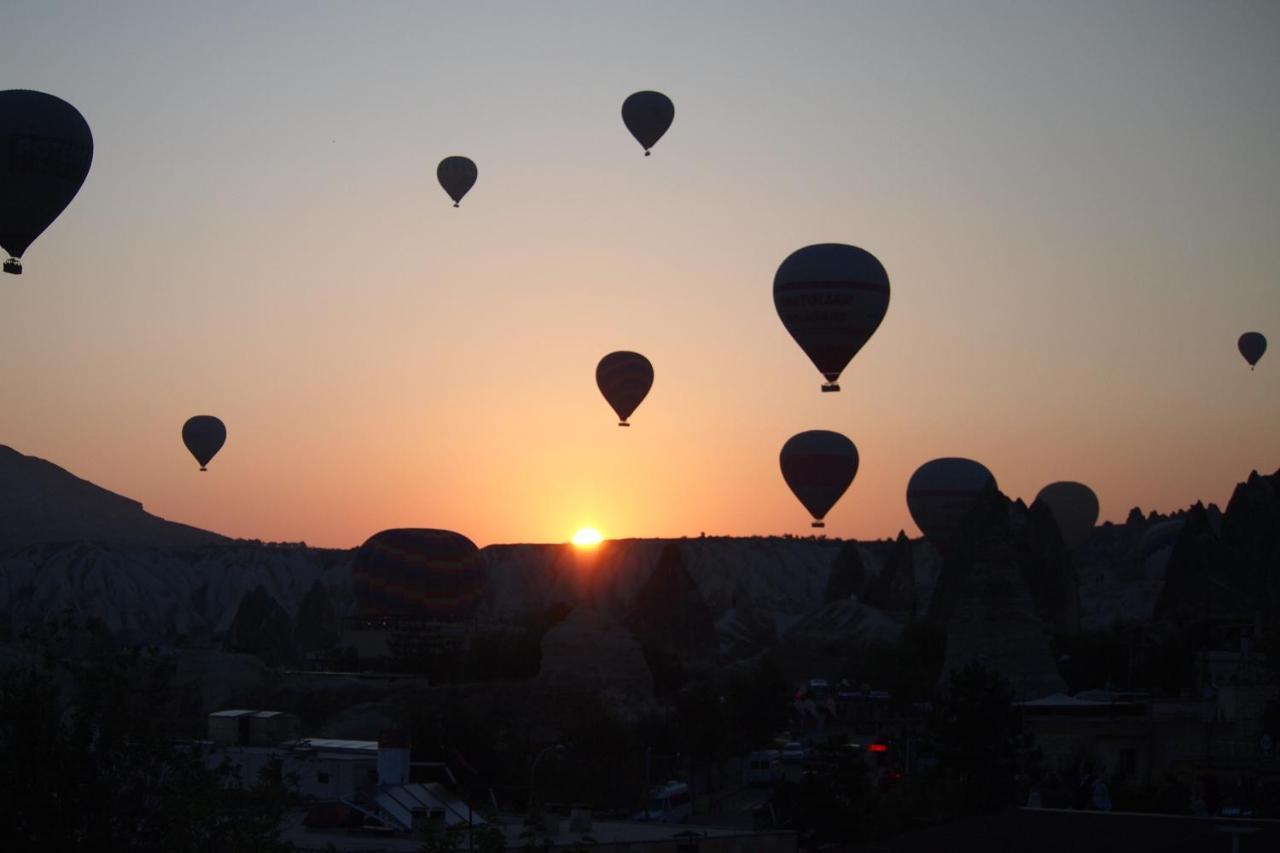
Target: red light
{"x": 878, "y": 747}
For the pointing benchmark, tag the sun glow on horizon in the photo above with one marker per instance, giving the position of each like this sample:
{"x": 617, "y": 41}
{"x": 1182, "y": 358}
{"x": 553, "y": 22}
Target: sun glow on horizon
{"x": 587, "y": 537}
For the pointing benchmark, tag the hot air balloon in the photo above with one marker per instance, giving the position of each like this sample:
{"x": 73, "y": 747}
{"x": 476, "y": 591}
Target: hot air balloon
{"x": 831, "y": 298}
{"x": 1075, "y": 509}
{"x": 204, "y": 436}
{"x": 457, "y": 175}
{"x": 1252, "y": 345}
{"x": 648, "y": 115}
{"x": 818, "y": 466}
{"x": 624, "y": 378}
{"x": 941, "y": 493}
{"x": 45, "y": 152}
{"x": 417, "y": 573}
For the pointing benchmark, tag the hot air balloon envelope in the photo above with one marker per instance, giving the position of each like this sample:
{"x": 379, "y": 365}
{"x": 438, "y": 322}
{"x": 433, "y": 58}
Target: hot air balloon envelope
{"x": 417, "y": 573}
{"x": 941, "y": 494}
{"x": 45, "y": 152}
{"x": 624, "y": 378}
{"x": 1075, "y": 509}
{"x": 1252, "y": 346}
{"x": 818, "y": 466}
{"x": 831, "y": 298}
{"x": 648, "y": 115}
{"x": 457, "y": 175}
{"x": 204, "y": 436}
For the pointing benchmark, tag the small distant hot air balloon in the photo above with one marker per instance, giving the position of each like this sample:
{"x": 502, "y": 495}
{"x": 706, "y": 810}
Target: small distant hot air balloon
{"x": 941, "y": 493}
{"x": 457, "y": 175}
{"x": 818, "y": 466}
{"x": 204, "y": 436}
{"x": 1075, "y": 509}
{"x": 624, "y": 378}
{"x": 45, "y": 152}
{"x": 1252, "y": 345}
{"x": 417, "y": 573}
{"x": 648, "y": 115}
{"x": 831, "y": 298}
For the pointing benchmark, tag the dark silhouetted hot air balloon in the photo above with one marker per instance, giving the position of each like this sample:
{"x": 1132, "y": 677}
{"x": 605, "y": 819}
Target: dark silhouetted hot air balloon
{"x": 831, "y": 297}
{"x": 624, "y": 378}
{"x": 1075, "y": 509}
{"x": 818, "y": 465}
{"x": 416, "y": 573}
{"x": 45, "y": 152}
{"x": 457, "y": 175}
{"x": 648, "y": 115}
{"x": 941, "y": 493}
{"x": 1252, "y": 345}
{"x": 204, "y": 436}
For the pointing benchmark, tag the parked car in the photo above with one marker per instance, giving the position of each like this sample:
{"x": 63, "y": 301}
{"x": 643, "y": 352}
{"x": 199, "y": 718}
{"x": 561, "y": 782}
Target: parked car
{"x": 669, "y": 803}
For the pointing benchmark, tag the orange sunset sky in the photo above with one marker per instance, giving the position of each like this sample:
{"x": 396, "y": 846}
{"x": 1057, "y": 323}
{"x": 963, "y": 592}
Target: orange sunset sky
{"x": 1078, "y": 206}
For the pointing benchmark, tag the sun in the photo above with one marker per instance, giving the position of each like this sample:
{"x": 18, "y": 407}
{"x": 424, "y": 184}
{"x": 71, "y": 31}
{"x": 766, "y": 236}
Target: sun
{"x": 587, "y": 537}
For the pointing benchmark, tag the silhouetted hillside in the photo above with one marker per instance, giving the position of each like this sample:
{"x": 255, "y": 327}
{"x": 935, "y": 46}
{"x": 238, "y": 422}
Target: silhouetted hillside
{"x": 42, "y": 503}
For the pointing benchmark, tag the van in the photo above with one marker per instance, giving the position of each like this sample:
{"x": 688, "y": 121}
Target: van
{"x": 764, "y": 767}
{"x": 669, "y": 803}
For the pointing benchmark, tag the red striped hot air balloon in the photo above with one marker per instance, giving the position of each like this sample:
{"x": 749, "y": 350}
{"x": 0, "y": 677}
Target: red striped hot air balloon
{"x": 417, "y": 573}
{"x": 941, "y": 493}
{"x": 831, "y": 298}
{"x": 818, "y": 466}
{"x": 624, "y": 378}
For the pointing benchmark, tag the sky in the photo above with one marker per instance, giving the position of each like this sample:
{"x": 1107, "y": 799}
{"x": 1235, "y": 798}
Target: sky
{"x": 1078, "y": 206}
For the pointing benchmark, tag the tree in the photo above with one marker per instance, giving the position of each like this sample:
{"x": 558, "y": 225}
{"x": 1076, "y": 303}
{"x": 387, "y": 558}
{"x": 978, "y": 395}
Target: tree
{"x": 88, "y": 761}
{"x": 976, "y": 731}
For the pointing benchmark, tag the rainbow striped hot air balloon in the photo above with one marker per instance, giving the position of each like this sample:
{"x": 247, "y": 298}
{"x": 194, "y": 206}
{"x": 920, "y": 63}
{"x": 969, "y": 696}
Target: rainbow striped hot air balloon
{"x": 624, "y": 378}
{"x": 818, "y": 466}
{"x": 417, "y": 573}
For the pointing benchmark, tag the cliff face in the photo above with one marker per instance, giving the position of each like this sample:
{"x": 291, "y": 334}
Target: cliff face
{"x": 42, "y": 503}
{"x": 1228, "y": 567}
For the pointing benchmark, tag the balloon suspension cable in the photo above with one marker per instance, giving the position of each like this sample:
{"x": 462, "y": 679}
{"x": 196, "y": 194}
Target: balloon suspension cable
{"x": 818, "y": 524}
{"x": 828, "y": 387}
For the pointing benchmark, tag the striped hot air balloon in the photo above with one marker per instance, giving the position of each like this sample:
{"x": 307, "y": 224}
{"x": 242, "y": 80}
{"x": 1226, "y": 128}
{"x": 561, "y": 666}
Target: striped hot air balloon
{"x": 818, "y": 466}
{"x": 417, "y": 573}
{"x": 45, "y": 151}
{"x": 941, "y": 493}
{"x": 624, "y": 378}
{"x": 1075, "y": 509}
{"x": 204, "y": 436}
{"x": 457, "y": 175}
{"x": 831, "y": 298}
